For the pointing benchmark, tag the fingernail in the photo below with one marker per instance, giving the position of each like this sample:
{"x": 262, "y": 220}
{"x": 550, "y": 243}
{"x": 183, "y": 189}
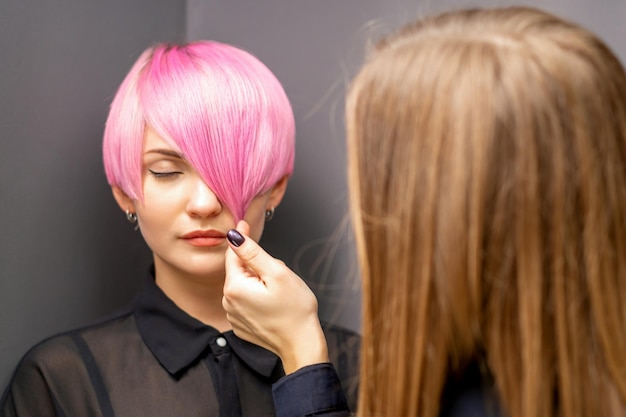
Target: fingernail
{"x": 235, "y": 237}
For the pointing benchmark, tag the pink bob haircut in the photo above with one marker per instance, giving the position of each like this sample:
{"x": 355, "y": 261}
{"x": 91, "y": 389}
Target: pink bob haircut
{"x": 218, "y": 106}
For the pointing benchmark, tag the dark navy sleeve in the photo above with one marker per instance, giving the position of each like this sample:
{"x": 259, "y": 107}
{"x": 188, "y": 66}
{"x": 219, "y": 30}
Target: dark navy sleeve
{"x": 311, "y": 391}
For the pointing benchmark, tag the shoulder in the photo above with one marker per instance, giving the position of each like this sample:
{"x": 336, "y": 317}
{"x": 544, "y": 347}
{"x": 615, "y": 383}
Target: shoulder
{"x": 31, "y": 390}
{"x": 55, "y": 373}
{"x": 61, "y": 354}
{"x": 40, "y": 362}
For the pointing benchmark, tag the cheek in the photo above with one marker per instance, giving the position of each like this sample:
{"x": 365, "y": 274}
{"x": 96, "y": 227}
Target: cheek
{"x": 156, "y": 211}
{"x": 151, "y": 222}
{"x": 255, "y": 216}
{"x": 256, "y": 220}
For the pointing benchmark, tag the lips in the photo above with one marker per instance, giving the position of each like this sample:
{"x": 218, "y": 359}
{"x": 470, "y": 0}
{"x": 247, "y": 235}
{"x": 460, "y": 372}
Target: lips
{"x": 204, "y": 238}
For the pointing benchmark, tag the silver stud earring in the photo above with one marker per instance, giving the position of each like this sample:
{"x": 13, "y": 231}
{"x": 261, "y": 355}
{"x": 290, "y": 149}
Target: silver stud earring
{"x": 132, "y": 217}
{"x": 269, "y": 214}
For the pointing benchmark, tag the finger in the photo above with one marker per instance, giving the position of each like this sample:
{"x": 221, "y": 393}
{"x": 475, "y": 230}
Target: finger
{"x": 243, "y": 227}
{"x": 236, "y": 266}
{"x": 240, "y": 281}
{"x": 233, "y": 263}
{"x": 249, "y": 252}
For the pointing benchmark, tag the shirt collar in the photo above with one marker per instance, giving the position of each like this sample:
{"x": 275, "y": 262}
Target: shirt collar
{"x": 178, "y": 340}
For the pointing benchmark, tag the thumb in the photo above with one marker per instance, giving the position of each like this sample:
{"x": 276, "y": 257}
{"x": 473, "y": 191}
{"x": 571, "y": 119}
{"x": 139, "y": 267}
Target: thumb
{"x": 249, "y": 253}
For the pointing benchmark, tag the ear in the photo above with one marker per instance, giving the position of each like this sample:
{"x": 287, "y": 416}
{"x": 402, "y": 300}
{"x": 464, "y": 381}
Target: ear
{"x": 123, "y": 200}
{"x": 277, "y": 192}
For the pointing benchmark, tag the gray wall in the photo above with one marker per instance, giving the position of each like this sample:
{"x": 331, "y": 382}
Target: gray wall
{"x": 67, "y": 255}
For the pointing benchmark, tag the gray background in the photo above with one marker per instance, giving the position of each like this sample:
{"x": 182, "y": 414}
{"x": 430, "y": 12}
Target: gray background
{"x": 67, "y": 254}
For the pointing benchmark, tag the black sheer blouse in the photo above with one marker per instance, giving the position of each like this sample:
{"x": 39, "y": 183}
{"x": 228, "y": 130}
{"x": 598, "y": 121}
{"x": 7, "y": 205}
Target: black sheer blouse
{"x": 156, "y": 360}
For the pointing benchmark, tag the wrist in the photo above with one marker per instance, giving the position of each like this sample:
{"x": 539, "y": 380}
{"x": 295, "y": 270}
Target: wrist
{"x": 309, "y": 348}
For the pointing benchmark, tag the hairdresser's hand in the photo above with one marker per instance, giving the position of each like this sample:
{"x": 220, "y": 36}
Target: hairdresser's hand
{"x": 269, "y": 305}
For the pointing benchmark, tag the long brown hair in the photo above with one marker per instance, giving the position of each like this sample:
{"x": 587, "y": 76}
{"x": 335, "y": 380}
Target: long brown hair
{"x": 487, "y": 165}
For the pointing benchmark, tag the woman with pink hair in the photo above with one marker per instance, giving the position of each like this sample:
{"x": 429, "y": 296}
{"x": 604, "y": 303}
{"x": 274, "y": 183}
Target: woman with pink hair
{"x": 199, "y": 137}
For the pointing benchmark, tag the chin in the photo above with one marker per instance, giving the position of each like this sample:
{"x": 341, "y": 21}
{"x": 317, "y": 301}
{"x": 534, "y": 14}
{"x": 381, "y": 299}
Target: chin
{"x": 202, "y": 270}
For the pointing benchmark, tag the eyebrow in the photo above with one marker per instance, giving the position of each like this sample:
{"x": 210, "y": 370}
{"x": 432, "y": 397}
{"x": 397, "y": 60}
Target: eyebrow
{"x": 166, "y": 152}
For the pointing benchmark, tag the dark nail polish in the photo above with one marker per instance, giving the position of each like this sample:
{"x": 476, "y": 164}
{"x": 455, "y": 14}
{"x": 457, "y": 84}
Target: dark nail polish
{"x": 235, "y": 237}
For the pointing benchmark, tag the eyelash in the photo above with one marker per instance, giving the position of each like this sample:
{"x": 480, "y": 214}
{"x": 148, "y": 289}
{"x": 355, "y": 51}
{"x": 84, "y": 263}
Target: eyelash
{"x": 164, "y": 175}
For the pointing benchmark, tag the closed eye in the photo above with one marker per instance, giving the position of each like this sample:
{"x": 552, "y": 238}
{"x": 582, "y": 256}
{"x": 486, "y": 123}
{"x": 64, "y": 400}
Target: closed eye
{"x": 164, "y": 175}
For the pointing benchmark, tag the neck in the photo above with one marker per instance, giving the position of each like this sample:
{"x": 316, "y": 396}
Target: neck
{"x": 200, "y": 297}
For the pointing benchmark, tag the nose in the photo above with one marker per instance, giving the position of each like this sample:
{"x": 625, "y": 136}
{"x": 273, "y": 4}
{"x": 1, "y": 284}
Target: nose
{"x": 202, "y": 200}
